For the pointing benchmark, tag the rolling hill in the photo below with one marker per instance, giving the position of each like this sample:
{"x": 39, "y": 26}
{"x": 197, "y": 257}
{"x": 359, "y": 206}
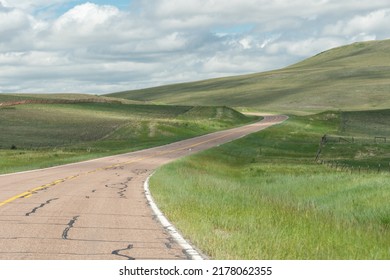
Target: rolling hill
{"x": 352, "y": 77}
{"x": 41, "y": 134}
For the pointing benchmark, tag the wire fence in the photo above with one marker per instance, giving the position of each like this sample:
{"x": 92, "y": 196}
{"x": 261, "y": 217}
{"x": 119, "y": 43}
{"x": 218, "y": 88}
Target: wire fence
{"x": 368, "y": 168}
{"x": 354, "y": 167}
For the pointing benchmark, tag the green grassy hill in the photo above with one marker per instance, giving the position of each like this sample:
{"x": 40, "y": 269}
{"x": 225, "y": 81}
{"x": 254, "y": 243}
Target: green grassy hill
{"x": 353, "y": 77}
{"x": 40, "y": 135}
{"x": 62, "y": 98}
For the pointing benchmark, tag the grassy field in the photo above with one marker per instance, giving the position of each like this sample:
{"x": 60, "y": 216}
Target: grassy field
{"x": 361, "y": 142}
{"x": 63, "y": 97}
{"x": 354, "y": 77}
{"x": 41, "y": 135}
{"x": 264, "y": 196}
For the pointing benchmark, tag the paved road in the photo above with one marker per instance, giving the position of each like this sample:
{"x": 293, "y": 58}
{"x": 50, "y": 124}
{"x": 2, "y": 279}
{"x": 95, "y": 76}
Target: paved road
{"x": 95, "y": 209}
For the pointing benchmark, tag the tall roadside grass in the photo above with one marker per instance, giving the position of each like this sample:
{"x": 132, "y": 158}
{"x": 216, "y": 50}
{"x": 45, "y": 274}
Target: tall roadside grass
{"x": 263, "y": 197}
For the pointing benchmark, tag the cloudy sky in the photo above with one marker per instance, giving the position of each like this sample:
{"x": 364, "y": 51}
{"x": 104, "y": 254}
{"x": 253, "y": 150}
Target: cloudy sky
{"x": 105, "y": 46}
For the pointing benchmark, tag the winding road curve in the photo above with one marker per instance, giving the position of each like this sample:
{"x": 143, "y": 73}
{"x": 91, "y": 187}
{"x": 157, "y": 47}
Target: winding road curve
{"x": 96, "y": 209}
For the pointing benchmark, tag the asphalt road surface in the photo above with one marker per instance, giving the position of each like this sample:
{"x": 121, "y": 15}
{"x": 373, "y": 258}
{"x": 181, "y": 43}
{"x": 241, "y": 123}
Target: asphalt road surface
{"x": 96, "y": 209}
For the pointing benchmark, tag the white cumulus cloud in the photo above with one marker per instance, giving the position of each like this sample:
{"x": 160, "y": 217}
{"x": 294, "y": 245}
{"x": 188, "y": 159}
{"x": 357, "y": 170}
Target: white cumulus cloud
{"x": 76, "y": 46}
{"x": 375, "y": 22}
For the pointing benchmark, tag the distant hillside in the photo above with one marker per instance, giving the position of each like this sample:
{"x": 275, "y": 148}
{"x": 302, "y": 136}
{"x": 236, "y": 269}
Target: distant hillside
{"x": 352, "y": 77}
{"x": 62, "y": 98}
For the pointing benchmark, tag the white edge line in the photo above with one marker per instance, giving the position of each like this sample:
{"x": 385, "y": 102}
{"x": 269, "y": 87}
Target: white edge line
{"x": 188, "y": 249}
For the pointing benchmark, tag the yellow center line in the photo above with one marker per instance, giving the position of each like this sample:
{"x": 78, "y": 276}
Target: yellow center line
{"x": 29, "y": 193}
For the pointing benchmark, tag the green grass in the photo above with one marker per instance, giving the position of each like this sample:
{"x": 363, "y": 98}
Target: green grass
{"x": 354, "y": 77}
{"x": 41, "y": 135}
{"x": 36, "y": 96}
{"x": 63, "y": 97}
{"x": 366, "y": 123}
{"x": 355, "y": 144}
{"x": 263, "y": 197}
